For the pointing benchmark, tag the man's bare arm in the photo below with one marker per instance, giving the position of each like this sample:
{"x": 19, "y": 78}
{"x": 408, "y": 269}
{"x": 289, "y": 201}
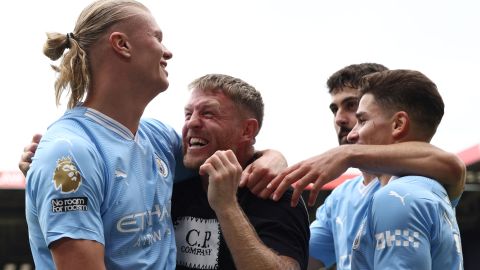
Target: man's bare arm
{"x": 73, "y": 254}
{"x": 406, "y": 158}
{"x": 247, "y": 250}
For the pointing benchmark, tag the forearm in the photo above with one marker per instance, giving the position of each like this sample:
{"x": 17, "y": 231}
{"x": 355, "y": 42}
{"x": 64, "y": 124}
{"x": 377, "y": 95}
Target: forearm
{"x": 247, "y": 249}
{"x": 70, "y": 254}
{"x": 411, "y": 158}
{"x": 314, "y": 264}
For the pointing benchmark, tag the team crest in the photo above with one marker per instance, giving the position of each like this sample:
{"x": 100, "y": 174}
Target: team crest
{"x": 162, "y": 167}
{"x": 66, "y": 176}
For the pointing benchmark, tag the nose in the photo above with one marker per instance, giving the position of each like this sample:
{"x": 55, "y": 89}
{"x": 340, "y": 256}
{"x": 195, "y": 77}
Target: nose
{"x": 352, "y": 136}
{"x": 167, "y": 54}
{"x": 341, "y": 118}
{"x": 193, "y": 121}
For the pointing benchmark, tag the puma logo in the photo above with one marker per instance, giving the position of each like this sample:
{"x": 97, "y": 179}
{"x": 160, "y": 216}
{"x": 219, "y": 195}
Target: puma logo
{"x": 401, "y": 198}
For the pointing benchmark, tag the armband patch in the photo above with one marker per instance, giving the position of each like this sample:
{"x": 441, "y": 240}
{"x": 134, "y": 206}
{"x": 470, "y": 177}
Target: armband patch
{"x": 69, "y": 204}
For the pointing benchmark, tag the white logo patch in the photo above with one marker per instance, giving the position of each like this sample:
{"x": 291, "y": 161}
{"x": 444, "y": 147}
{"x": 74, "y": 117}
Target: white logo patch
{"x": 398, "y": 238}
{"x": 198, "y": 242}
{"x": 401, "y": 198}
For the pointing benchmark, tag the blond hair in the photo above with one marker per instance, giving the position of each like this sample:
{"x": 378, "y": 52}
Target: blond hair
{"x": 240, "y": 92}
{"x": 93, "y": 22}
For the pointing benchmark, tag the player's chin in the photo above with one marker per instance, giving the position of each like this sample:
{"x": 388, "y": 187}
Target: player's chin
{"x": 163, "y": 84}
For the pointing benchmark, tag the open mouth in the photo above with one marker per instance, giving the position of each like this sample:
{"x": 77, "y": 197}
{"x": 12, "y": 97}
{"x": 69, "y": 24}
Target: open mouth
{"x": 196, "y": 142}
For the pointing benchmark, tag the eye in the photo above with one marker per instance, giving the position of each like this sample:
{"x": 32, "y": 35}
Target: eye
{"x": 208, "y": 114}
{"x": 361, "y": 121}
{"x": 334, "y": 109}
{"x": 188, "y": 115}
{"x": 158, "y": 35}
{"x": 352, "y": 106}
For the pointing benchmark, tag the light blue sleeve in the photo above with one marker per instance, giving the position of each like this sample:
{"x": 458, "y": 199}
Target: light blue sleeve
{"x": 65, "y": 187}
{"x": 321, "y": 244}
{"x": 400, "y": 224}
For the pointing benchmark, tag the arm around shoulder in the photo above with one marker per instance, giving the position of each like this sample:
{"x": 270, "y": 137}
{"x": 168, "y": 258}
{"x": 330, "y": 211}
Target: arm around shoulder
{"x": 412, "y": 158}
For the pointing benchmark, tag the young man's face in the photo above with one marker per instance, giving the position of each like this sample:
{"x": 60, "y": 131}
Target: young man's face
{"x": 212, "y": 122}
{"x": 149, "y": 55}
{"x": 374, "y": 124}
{"x": 344, "y": 106}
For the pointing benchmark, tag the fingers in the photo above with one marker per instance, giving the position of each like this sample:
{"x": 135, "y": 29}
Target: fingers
{"x": 24, "y": 166}
{"x": 26, "y": 157}
{"x": 259, "y": 188}
{"x": 285, "y": 181}
{"x": 221, "y": 162}
{"x": 36, "y": 138}
{"x": 245, "y": 175}
{"x": 265, "y": 193}
{"x": 211, "y": 165}
{"x": 298, "y": 188}
{"x": 314, "y": 191}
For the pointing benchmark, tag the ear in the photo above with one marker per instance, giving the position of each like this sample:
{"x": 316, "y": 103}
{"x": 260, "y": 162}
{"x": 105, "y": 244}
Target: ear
{"x": 401, "y": 125}
{"x": 119, "y": 43}
{"x": 250, "y": 129}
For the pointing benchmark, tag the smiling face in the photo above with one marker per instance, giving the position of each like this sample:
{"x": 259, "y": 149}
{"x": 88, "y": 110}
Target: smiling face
{"x": 344, "y": 106}
{"x": 374, "y": 124}
{"x": 150, "y": 61}
{"x": 212, "y": 122}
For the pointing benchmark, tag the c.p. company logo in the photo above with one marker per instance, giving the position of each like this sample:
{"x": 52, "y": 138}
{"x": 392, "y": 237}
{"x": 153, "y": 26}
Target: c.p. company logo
{"x": 66, "y": 177}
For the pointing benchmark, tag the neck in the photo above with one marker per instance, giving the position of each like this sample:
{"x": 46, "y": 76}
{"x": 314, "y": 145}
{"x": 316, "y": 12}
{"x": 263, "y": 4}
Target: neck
{"x": 116, "y": 92}
{"x": 124, "y": 113}
{"x": 368, "y": 178}
{"x": 120, "y": 101}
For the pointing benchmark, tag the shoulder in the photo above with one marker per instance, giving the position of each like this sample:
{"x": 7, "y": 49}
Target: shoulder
{"x": 415, "y": 188}
{"x": 160, "y": 134}
{"x": 157, "y": 126}
{"x": 348, "y": 186}
{"x": 406, "y": 201}
{"x": 54, "y": 146}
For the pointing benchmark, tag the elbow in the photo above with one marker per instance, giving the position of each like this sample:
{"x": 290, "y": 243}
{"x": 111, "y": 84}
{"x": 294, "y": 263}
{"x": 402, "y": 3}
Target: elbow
{"x": 458, "y": 171}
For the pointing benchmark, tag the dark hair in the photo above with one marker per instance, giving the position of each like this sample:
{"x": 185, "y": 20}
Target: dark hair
{"x": 409, "y": 91}
{"x": 350, "y": 76}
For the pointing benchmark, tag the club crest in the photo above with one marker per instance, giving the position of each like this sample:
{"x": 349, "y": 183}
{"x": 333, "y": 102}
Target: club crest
{"x": 162, "y": 167}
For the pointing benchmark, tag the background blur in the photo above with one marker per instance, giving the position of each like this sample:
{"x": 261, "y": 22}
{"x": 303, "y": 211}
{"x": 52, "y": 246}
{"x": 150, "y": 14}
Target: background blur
{"x": 287, "y": 49}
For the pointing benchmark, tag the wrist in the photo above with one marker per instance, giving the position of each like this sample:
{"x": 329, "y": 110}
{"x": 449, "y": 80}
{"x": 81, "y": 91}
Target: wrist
{"x": 228, "y": 210}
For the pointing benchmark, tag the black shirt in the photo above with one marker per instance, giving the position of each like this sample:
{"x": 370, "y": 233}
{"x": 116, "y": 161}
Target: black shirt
{"x": 200, "y": 244}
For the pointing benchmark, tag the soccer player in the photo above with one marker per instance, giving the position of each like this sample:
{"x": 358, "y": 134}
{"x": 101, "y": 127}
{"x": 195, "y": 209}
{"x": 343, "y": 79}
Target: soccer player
{"x": 410, "y": 223}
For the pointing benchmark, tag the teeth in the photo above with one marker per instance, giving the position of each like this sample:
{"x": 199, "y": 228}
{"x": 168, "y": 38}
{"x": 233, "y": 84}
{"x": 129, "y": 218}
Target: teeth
{"x": 197, "y": 142}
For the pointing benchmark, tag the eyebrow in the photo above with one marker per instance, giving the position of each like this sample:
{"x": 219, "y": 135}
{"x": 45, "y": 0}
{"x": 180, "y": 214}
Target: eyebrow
{"x": 347, "y": 99}
{"x": 204, "y": 104}
{"x": 360, "y": 114}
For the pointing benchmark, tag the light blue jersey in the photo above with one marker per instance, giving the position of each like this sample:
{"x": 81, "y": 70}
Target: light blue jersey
{"x": 410, "y": 224}
{"x": 91, "y": 178}
{"x": 337, "y": 221}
